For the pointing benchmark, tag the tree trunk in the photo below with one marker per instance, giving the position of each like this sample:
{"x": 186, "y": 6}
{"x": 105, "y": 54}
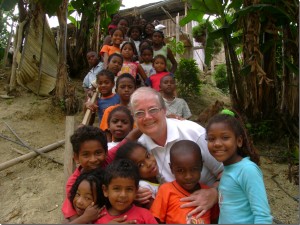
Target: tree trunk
{"x": 62, "y": 72}
{"x": 96, "y": 34}
{"x": 253, "y": 58}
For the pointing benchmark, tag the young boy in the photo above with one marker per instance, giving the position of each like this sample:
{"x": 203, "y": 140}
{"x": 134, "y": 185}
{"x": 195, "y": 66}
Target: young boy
{"x": 186, "y": 165}
{"x": 176, "y": 107}
{"x": 90, "y": 152}
{"x": 120, "y": 185}
{"x": 105, "y": 83}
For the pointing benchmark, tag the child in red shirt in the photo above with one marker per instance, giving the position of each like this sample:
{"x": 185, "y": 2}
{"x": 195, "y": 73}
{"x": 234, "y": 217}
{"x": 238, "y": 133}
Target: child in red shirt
{"x": 160, "y": 66}
{"x": 120, "y": 185}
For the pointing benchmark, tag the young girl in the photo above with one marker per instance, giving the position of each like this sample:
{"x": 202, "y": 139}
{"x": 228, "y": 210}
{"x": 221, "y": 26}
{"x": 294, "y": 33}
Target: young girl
{"x": 120, "y": 123}
{"x": 160, "y": 65}
{"x": 134, "y": 34}
{"x": 148, "y": 31}
{"x": 242, "y": 194}
{"x": 159, "y": 48}
{"x": 146, "y": 163}
{"x": 120, "y": 184}
{"x": 87, "y": 197}
{"x": 125, "y": 86}
{"x": 117, "y": 38}
{"x": 128, "y": 50}
{"x": 105, "y": 82}
{"x": 147, "y": 57}
{"x": 122, "y": 24}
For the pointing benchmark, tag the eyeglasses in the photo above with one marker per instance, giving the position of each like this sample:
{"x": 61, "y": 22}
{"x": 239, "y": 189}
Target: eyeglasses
{"x": 142, "y": 114}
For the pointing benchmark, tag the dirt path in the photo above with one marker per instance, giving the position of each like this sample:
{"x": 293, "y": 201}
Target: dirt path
{"x": 32, "y": 191}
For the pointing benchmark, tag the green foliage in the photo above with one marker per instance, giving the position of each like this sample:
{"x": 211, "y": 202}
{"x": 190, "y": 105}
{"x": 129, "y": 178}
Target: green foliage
{"x": 220, "y": 76}
{"x": 199, "y": 32}
{"x": 176, "y": 47}
{"x": 8, "y": 5}
{"x": 187, "y": 77}
{"x": 264, "y": 130}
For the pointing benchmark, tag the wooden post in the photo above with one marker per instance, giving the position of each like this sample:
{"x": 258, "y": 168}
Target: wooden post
{"x": 177, "y": 33}
{"x": 68, "y": 153}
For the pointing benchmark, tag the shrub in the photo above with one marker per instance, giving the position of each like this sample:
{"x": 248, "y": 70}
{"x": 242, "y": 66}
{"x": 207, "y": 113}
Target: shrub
{"x": 187, "y": 76}
{"x": 220, "y": 76}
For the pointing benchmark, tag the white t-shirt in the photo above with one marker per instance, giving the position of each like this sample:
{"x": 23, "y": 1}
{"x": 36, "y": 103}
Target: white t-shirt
{"x": 90, "y": 78}
{"x": 183, "y": 130}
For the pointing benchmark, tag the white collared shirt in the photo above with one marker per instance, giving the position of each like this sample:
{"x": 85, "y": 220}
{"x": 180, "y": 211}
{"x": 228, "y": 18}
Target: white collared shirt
{"x": 183, "y": 130}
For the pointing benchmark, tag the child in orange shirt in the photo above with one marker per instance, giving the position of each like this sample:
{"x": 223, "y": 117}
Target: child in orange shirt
{"x": 117, "y": 38}
{"x": 186, "y": 165}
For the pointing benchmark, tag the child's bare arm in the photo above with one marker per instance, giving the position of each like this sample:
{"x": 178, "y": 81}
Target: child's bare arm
{"x": 141, "y": 71}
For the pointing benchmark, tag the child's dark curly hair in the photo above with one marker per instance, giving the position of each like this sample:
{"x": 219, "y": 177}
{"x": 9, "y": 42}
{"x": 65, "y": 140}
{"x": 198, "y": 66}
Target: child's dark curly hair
{"x": 123, "y": 109}
{"x": 110, "y": 75}
{"x": 87, "y": 133}
{"x": 126, "y": 149}
{"x": 235, "y": 123}
{"x": 115, "y": 55}
{"x": 94, "y": 178}
{"x": 123, "y": 168}
{"x": 125, "y": 75}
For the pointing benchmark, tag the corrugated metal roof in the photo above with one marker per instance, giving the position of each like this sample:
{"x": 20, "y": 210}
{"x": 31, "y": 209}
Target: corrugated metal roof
{"x": 153, "y": 11}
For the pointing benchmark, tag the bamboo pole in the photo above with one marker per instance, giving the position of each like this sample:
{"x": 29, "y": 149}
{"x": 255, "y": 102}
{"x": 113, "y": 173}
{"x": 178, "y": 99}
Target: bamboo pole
{"x": 30, "y": 155}
{"x": 88, "y": 113}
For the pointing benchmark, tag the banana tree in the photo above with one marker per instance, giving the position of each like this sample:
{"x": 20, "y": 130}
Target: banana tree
{"x": 223, "y": 25}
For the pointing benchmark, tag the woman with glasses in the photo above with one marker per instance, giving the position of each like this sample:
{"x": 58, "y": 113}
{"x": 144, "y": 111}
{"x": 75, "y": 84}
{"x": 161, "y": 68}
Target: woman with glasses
{"x": 160, "y": 133}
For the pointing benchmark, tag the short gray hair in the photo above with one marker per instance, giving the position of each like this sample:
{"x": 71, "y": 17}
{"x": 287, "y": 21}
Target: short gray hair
{"x": 149, "y": 91}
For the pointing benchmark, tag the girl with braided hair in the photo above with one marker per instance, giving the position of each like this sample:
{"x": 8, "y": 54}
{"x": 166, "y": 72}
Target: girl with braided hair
{"x": 242, "y": 193}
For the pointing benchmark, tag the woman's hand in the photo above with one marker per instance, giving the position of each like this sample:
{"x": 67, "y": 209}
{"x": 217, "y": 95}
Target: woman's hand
{"x": 202, "y": 200}
{"x": 91, "y": 106}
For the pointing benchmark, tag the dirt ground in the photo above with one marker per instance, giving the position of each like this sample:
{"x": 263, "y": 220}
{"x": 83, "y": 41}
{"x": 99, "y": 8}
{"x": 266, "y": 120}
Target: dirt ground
{"x": 32, "y": 191}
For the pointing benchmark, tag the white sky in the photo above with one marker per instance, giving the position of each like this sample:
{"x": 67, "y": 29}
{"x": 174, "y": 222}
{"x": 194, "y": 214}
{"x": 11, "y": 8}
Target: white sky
{"x": 127, "y": 4}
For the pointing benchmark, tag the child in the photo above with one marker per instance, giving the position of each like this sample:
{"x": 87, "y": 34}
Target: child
{"x": 159, "y": 48}
{"x": 134, "y": 34}
{"x": 96, "y": 66}
{"x": 117, "y": 38}
{"x": 186, "y": 164}
{"x": 242, "y": 194}
{"x": 90, "y": 152}
{"x": 114, "y": 22}
{"x": 125, "y": 86}
{"x": 160, "y": 65}
{"x": 106, "y": 82}
{"x": 147, "y": 57}
{"x": 87, "y": 197}
{"x": 176, "y": 107}
{"x": 146, "y": 164}
{"x": 120, "y": 185}
{"x": 122, "y": 24}
{"x": 120, "y": 123}
{"x": 128, "y": 50}
{"x": 148, "y": 32}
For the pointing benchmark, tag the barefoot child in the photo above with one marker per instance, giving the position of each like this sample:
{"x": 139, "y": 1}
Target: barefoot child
{"x": 105, "y": 82}
{"x": 186, "y": 165}
{"x": 87, "y": 197}
{"x": 121, "y": 180}
{"x": 242, "y": 194}
{"x": 176, "y": 107}
{"x": 146, "y": 164}
{"x": 120, "y": 123}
